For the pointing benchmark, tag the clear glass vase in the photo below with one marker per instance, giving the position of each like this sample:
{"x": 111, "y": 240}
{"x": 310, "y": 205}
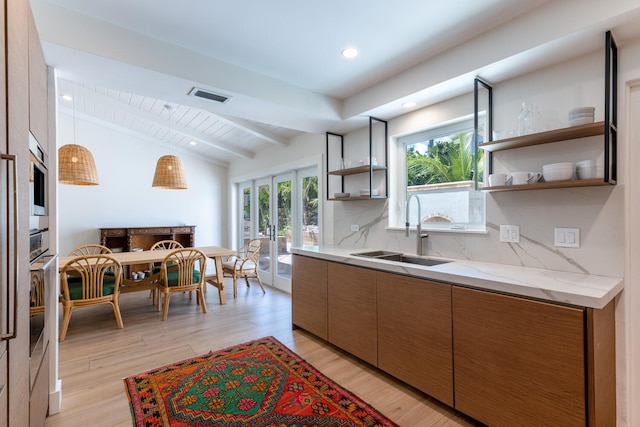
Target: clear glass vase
{"x": 528, "y": 119}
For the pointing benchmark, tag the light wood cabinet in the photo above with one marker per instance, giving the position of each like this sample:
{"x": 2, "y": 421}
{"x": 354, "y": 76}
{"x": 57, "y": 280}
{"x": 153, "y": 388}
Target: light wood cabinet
{"x": 414, "y": 333}
{"x": 309, "y": 295}
{"x": 352, "y": 317}
{"x": 500, "y": 359}
{"x": 39, "y": 404}
{"x": 38, "y": 93}
{"x": 4, "y": 386}
{"x": 16, "y": 128}
{"x": 522, "y": 362}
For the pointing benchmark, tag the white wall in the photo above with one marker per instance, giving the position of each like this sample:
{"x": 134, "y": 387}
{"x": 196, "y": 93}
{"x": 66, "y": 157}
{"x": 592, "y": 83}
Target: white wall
{"x": 125, "y": 197}
{"x": 597, "y": 211}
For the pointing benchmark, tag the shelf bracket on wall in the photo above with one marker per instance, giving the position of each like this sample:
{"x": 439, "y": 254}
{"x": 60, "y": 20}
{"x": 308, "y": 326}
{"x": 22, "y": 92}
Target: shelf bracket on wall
{"x": 611, "y": 110}
{"x": 488, "y": 126}
{"x": 329, "y": 136}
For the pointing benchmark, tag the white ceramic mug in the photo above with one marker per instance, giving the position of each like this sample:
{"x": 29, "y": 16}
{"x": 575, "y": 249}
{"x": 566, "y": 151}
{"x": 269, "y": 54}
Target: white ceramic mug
{"x": 521, "y": 178}
{"x": 498, "y": 179}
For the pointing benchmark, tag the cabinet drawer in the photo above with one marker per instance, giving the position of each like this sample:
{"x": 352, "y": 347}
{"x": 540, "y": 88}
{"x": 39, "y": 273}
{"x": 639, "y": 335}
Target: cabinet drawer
{"x": 159, "y": 230}
{"x": 114, "y": 232}
{"x": 185, "y": 230}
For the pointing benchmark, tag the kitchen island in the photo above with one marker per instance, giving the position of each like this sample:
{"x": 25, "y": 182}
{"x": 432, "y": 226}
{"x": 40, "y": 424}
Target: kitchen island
{"x": 505, "y": 345}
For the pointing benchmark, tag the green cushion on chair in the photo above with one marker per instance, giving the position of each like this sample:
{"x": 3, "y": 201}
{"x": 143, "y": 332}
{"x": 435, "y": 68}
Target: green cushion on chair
{"x": 173, "y": 277}
{"x": 75, "y": 286}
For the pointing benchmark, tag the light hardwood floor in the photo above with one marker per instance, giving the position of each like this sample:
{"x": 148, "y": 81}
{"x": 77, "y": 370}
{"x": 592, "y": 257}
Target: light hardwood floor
{"x": 95, "y": 357}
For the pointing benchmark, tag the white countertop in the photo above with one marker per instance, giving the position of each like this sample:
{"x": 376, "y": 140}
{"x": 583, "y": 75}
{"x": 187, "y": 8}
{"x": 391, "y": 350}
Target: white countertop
{"x": 555, "y": 286}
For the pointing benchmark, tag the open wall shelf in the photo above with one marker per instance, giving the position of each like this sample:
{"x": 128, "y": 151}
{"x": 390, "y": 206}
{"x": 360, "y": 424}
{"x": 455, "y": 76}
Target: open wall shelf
{"x": 363, "y": 169}
{"x": 606, "y": 128}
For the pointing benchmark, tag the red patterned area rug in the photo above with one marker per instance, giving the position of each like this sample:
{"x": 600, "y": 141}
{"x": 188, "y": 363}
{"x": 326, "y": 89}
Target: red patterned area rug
{"x": 260, "y": 383}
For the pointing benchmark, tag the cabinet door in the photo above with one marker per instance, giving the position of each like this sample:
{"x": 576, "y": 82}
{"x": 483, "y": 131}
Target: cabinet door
{"x": 4, "y": 385}
{"x": 309, "y": 295}
{"x": 414, "y": 333}
{"x": 518, "y": 362}
{"x": 38, "y": 93}
{"x": 352, "y": 311}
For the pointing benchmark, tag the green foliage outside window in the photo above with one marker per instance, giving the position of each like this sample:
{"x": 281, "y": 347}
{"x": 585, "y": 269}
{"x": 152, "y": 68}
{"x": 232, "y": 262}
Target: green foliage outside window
{"x": 448, "y": 159}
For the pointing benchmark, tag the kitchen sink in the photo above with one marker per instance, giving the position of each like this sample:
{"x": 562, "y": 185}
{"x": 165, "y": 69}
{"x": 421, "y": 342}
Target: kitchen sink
{"x": 377, "y": 254}
{"x": 400, "y": 257}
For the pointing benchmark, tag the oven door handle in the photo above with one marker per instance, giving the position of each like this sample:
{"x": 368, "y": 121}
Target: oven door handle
{"x": 11, "y": 325}
{"x": 47, "y": 264}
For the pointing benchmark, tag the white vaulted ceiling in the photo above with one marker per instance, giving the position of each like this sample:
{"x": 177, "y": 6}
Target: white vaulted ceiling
{"x": 279, "y": 61}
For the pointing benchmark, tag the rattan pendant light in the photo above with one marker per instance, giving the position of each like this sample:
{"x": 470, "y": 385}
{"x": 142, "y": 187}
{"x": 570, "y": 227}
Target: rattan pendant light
{"x": 169, "y": 171}
{"x": 75, "y": 163}
{"x": 76, "y": 166}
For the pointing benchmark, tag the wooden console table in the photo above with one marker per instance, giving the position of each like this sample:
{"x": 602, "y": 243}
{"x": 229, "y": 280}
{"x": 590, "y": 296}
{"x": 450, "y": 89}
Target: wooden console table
{"x": 128, "y": 239}
{"x": 125, "y": 239}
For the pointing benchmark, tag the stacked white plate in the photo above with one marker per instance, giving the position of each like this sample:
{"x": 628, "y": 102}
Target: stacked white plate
{"x": 589, "y": 169}
{"x": 557, "y": 171}
{"x": 581, "y": 116}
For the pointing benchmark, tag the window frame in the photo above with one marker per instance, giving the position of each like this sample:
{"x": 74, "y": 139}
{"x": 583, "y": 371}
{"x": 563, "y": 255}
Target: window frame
{"x": 398, "y": 181}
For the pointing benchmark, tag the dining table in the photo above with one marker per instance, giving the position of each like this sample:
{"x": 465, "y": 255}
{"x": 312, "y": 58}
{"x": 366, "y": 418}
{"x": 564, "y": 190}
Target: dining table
{"x": 150, "y": 282}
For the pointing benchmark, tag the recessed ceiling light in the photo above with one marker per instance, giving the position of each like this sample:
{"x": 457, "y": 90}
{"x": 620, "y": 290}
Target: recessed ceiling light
{"x": 409, "y": 104}
{"x": 349, "y": 52}
{"x": 192, "y": 142}
{"x": 67, "y": 97}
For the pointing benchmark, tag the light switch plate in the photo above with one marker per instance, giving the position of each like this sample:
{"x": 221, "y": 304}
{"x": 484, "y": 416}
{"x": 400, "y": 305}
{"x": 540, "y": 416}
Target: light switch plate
{"x": 510, "y": 233}
{"x": 566, "y": 237}
{"x": 355, "y": 227}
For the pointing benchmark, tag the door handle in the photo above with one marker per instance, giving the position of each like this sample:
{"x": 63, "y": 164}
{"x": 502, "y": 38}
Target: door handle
{"x": 11, "y": 325}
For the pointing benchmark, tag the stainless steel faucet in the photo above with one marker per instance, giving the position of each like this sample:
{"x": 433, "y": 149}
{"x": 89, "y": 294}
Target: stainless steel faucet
{"x": 419, "y": 234}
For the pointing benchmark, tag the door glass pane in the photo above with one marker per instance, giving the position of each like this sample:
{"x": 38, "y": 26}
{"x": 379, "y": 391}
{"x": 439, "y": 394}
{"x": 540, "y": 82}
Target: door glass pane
{"x": 264, "y": 225}
{"x": 246, "y": 214}
{"x": 310, "y": 211}
{"x": 284, "y": 229}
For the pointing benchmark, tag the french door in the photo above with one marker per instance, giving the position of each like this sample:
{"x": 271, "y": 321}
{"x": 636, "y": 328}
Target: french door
{"x": 281, "y": 211}
{"x": 274, "y": 229}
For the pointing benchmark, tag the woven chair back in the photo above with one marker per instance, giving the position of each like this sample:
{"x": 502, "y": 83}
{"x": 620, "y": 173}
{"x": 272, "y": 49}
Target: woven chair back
{"x": 93, "y": 271}
{"x": 90, "y": 250}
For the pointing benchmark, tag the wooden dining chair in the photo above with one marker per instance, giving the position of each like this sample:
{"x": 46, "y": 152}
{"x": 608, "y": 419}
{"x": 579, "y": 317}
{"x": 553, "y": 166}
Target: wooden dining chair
{"x": 166, "y": 244}
{"x": 155, "y": 267}
{"x": 244, "y": 264}
{"x": 96, "y": 280}
{"x": 182, "y": 270}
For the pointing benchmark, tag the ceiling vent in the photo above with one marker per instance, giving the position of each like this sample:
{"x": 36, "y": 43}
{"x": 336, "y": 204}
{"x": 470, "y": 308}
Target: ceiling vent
{"x": 201, "y": 93}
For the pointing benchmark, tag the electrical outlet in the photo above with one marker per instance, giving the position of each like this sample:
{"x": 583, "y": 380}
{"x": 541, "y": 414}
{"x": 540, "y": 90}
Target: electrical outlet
{"x": 510, "y": 233}
{"x": 355, "y": 227}
{"x": 566, "y": 237}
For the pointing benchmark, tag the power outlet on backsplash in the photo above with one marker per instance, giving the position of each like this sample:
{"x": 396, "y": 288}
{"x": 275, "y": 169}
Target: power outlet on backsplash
{"x": 355, "y": 227}
{"x": 510, "y": 233}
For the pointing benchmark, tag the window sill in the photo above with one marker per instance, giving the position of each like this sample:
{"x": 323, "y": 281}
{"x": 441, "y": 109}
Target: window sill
{"x": 442, "y": 230}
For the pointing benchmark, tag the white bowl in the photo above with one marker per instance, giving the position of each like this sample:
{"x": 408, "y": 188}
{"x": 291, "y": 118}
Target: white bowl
{"x": 581, "y": 121}
{"x": 580, "y": 116}
{"x": 557, "y": 175}
{"x": 556, "y": 166}
{"x": 590, "y": 172}
{"x": 365, "y": 192}
{"x": 579, "y": 110}
{"x": 586, "y": 164}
